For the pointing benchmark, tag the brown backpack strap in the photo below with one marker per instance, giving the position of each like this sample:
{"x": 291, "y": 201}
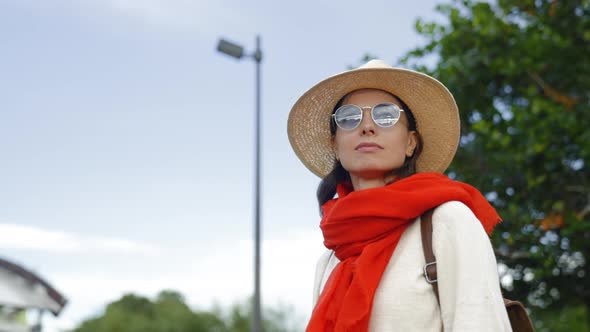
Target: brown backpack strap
{"x": 430, "y": 267}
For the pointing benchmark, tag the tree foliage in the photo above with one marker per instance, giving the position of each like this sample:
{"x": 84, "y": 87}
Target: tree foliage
{"x": 169, "y": 313}
{"x": 520, "y": 73}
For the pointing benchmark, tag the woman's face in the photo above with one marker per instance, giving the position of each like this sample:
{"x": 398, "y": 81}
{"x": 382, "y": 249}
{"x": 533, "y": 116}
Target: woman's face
{"x": 387, "y": 147}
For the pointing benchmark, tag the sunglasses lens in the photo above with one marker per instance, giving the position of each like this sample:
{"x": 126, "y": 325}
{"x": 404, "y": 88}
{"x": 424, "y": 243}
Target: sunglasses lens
{"x": 348, "y": 117}
{"x": 386, "y": 115}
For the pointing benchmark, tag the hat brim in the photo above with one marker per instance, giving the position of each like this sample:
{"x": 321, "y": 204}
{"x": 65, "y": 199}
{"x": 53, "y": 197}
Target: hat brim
{"x": 431, "y": 103}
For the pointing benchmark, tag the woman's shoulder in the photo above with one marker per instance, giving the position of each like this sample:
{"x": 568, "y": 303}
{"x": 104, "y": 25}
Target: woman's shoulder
{"x": 457, "y": 217}
{"x": 325, "y": 263}
{"x": 458, "y": 236}
{"x": 452, "y": 209}
{"x": 324, "y": 267}
{"x": 324, "y": 258}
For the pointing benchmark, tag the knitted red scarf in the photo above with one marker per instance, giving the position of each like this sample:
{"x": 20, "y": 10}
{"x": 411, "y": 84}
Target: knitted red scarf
{"x": 363, "y": 228}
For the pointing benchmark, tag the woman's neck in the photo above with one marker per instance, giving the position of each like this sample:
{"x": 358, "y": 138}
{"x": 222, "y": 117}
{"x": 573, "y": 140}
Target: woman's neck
{"x": 361, "y": 183}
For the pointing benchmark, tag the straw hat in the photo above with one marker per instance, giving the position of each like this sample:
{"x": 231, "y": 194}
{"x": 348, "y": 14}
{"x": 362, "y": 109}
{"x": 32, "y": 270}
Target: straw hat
{"x": 431, "y": 103}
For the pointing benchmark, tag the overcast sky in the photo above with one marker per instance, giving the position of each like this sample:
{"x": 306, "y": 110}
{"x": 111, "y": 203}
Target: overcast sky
{"x": 127, "y": 147}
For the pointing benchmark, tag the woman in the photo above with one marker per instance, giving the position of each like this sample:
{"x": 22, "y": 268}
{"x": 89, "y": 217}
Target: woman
{"x": 380, "y": 137}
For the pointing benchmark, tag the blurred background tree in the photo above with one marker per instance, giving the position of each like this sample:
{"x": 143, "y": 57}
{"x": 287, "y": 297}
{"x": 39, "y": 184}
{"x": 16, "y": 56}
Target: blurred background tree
{"x": 169, "y": 313}
{"x": 520, "y": 73}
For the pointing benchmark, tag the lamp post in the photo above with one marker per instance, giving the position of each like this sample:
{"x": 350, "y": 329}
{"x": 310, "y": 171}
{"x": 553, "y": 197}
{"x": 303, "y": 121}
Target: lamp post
{"x": 237, "y": 51}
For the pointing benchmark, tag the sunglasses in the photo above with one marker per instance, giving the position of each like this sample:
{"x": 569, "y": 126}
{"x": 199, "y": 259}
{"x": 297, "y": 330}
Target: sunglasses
{"x": 348, "y": 117}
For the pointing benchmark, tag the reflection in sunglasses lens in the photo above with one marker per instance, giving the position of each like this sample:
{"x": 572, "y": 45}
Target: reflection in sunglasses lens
{"x": 386, "y": 115}
{"x": 348, "y": 117}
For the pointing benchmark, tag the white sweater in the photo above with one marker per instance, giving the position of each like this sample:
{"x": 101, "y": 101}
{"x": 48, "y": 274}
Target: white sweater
{"x": 468, "y": 285}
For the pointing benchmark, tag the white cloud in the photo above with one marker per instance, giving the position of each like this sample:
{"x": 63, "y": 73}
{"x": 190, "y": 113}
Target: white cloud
{"x": 35, "y": 238}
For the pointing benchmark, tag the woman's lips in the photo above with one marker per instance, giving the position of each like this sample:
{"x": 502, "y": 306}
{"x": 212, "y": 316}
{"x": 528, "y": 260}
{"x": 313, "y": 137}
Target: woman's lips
{"x": 368, "y": 147}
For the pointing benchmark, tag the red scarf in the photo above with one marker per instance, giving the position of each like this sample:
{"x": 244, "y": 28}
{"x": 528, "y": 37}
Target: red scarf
{"x": 363, "y": 228}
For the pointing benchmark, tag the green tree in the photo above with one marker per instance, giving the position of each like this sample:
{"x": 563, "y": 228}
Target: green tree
{"x": 520, "y": 73}
{"x": 169, "y": 313}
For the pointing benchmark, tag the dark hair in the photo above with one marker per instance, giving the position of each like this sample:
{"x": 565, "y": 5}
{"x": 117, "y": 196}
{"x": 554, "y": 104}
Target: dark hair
{"x": 327, "y": 187}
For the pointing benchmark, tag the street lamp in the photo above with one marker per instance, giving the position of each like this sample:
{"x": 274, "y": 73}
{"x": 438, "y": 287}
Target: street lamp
{"x": 237, "y": 51}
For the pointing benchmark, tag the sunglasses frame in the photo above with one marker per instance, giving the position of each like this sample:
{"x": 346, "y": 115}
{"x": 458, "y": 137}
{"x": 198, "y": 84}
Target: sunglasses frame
{"x": 363, "y": 108}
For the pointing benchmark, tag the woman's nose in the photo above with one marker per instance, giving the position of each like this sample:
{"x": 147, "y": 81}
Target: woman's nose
{"x": 367, "y": 125}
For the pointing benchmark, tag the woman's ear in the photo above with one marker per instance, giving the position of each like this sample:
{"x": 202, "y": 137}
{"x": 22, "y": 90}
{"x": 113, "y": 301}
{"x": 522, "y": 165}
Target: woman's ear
{"x": 411, "y": 143}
